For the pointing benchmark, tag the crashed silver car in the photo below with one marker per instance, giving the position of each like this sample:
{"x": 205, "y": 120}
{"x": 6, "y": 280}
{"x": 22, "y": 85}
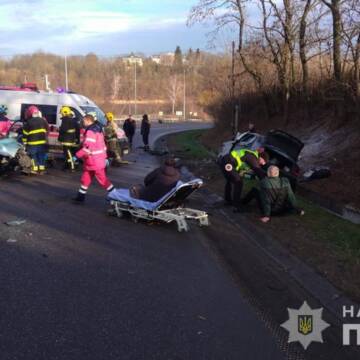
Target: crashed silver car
{"x": 283, "y": 149}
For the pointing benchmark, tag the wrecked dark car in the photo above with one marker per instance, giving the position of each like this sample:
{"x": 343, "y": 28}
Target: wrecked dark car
{"x": 283, "y": 149}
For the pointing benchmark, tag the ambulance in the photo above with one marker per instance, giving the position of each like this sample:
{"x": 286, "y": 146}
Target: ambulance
{"x": 18, "y": 99}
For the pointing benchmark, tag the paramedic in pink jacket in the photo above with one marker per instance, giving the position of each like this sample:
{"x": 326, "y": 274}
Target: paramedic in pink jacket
{"x": 93, "y": 153}
{"x": 5, "y": 123}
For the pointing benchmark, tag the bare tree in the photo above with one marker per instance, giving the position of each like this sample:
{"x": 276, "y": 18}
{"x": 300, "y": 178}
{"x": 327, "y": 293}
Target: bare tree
{"x": 173, "y": 90}
{"x": 335, "y": 8}
{"x": 351, "y": 34}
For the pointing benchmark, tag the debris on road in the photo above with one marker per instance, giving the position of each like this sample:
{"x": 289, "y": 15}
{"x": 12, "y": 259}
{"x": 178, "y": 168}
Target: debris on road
{"x": 11, "y": 241}
{"x": 15, "y": 222}
{"x": 316, "y": 174}
{"x": 200, "y": 317}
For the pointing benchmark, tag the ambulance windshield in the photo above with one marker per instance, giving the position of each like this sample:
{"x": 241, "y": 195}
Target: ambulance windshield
{"x": 99, "y": 113}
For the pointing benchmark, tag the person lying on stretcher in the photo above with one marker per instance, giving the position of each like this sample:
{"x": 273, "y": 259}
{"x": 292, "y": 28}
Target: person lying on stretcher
{"x": 158, "y": 182}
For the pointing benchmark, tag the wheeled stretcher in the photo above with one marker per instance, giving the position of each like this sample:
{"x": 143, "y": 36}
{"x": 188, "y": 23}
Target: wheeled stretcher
{"x": 168, "y": 209}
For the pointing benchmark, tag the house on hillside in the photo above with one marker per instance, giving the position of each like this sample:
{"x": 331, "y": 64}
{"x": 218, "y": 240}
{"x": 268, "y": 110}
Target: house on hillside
{"x": 156, "y": 59}
{"x": 167, "y": 59}
{"x": 133, "y": 59}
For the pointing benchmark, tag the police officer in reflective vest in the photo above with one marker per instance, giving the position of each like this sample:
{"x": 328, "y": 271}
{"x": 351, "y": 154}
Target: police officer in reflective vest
{"x": 235, "y": 166}
{"x": 69, "y": 136}
{"x": 35, "y": 131}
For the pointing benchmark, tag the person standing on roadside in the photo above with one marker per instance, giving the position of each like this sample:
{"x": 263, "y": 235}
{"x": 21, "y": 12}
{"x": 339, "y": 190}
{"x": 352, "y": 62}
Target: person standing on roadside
{"x": 111, "y": 139}
{"x": 93, "y": 154}
{"x": 35, "y": 132}
{"x": 129, "y": 128}
{"x": 145, "y": 131}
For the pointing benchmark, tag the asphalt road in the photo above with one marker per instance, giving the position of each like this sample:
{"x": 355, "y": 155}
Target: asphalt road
{"x": 77, "y": 284}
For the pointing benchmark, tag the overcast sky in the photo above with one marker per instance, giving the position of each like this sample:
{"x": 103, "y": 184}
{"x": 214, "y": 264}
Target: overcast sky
{"x": 106, "y": 27}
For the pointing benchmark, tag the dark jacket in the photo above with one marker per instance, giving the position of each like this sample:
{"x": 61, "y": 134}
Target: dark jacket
{"x": 35, "y": 131}
{"x": 69, "y": 132}
{"x": 159, "y": 182}
{"x": 129, "y": 127}
{"x": 277, "y": 196}
{"x": 145, "y": 127}
{"x": 250, "y": 159}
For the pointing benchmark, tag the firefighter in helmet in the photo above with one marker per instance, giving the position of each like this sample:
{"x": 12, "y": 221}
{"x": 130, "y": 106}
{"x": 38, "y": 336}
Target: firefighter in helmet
{"x": 69, "y": 136}
{"x": 35, "y": 132}
{"x": 111, "y": 139}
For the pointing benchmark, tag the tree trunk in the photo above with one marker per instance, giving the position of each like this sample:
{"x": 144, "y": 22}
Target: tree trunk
{"x": 302, "y": 48}
{"x": 334, "y": 6}
{"x": 357, "y": 70}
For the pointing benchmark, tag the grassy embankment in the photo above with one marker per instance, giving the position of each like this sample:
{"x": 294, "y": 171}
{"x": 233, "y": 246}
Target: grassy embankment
{"x": 322, "y": 239}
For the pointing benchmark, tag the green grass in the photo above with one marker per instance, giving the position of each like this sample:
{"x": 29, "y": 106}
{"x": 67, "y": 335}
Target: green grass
{"x": 188, "y": 144}
{"x": 329, "y": 228}
{"x": 342, "y": 235}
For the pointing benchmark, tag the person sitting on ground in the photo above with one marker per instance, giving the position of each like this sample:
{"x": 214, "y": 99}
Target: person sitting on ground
{"x": 274, "y": 197}
{"x": 158, "y": 182}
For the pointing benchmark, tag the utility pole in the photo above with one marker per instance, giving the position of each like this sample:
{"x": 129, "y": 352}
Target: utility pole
{"x": 233, "y": 83}
{"x": 47, "y": 83}
{"x": 66, "y": 75}
{"x": 135, "y": 90}
{"x": 233, "y": 70}
{"x": 236, "y": 122}
{"x": 184, "y": 95}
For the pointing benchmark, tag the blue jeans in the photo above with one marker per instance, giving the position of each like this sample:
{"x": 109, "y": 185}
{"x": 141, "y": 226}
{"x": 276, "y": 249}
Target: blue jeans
{"x": 38, "y": 156}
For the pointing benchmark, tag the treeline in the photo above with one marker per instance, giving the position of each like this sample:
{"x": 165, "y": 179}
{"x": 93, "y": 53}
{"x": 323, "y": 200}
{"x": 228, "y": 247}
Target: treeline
{"x": 111, "y": 81}
{"x": 290, "y": 56}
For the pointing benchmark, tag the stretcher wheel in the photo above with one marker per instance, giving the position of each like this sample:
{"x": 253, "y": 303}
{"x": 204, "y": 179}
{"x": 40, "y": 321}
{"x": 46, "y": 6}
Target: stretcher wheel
{"x": 111, "y": 212}
{"x": 120, "y": 214}
{"x": 134, "y": 219}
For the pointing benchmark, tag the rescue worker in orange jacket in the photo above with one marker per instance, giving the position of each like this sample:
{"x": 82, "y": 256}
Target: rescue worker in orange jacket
{"x": 93, "y": 154}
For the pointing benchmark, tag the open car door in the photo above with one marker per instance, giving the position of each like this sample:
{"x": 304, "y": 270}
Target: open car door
{"x": 283, "y": 144}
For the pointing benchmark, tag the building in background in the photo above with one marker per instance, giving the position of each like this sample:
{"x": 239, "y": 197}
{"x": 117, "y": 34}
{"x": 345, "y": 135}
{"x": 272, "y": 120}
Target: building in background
{"x": 133, "y": 59}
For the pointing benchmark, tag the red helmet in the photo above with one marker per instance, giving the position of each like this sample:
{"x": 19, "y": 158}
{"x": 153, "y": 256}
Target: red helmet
{"x": 30, "y": 111}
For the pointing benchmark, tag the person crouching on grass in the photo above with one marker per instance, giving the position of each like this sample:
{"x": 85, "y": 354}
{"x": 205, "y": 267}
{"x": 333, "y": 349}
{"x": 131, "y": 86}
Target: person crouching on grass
{"x": 93, "y": 154}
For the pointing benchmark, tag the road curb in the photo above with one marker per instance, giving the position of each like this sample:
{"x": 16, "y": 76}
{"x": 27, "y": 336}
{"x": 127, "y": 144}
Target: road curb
{"x": 345, "y": 212}
{"x": 318, "y": 286}
{"x": 314, "y": 283}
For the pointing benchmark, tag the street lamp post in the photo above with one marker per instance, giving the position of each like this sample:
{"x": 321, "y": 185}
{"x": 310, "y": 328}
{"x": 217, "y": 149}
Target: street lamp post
{"x": 184, "y": 110}
{"x": 135, "y": 90}
{"x": 66, "y": 75}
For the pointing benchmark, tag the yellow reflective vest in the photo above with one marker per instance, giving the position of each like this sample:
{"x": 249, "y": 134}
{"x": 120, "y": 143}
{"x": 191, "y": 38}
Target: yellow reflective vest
{"x": 239, "y": 154}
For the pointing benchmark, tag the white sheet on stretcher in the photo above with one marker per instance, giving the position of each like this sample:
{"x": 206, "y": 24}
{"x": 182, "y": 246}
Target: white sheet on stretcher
{"x": 123, "y": 195}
